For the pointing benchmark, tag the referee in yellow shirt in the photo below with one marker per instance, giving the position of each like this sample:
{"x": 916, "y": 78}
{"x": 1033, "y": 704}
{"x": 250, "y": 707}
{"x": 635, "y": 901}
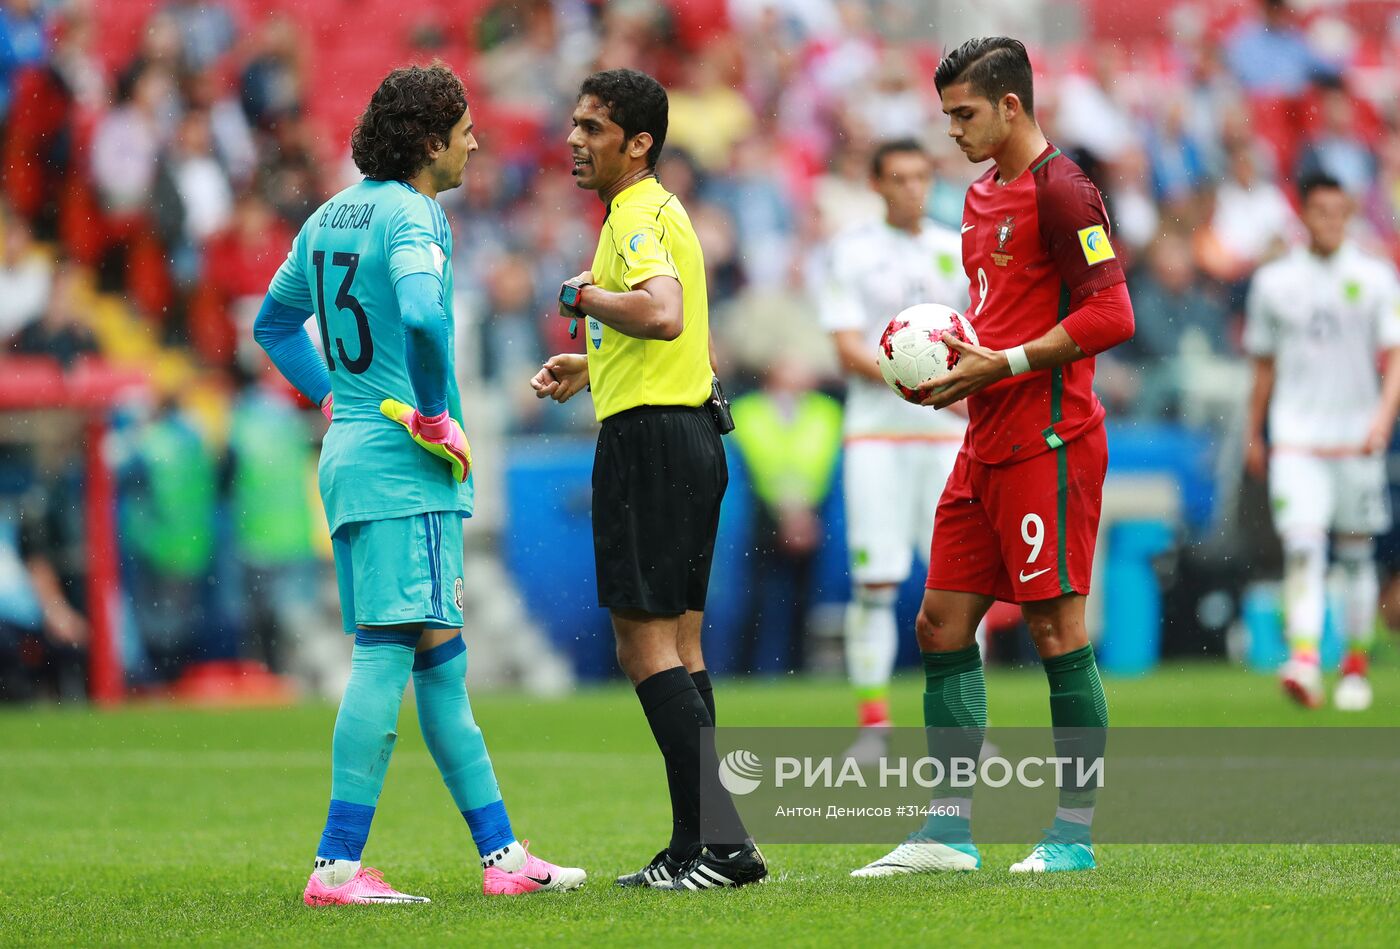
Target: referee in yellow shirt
{"x": 659, "y": 472}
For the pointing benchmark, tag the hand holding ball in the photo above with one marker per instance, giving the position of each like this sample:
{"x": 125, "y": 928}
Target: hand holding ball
{"x": 912, "y": 350}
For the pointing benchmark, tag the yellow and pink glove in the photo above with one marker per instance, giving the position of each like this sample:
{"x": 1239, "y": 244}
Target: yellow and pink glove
{"x": 439, "y": 434}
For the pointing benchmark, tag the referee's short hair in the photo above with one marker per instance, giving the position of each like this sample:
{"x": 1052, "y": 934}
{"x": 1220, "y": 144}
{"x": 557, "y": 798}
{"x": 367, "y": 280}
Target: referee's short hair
{"x": 897, "y": 146}
{"x": 635, "y": 101}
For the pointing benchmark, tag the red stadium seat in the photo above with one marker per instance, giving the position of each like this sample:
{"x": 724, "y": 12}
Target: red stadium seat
{"x": 31, "y": 134}
{"x": 1279, "y": 123}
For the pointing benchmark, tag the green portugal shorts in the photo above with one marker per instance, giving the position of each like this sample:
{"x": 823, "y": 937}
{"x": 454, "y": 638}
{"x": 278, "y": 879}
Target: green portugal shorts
{"x": 401, "y": 571}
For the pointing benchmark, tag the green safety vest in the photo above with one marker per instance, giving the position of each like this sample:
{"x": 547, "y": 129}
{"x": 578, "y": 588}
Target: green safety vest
{"x": 791, "y": 459}
{"x": 270, "y": 507}
{"x": 172, "y": 525}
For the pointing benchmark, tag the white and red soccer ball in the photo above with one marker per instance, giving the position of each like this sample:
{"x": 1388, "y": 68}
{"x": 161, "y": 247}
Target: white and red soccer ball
{"x": 912, "y": 350}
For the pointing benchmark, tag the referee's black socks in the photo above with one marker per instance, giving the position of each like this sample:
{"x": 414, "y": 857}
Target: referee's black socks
{"x": 683, "y": 832}
{"x": 676, "y": 713}
{"x": 707, "y": 692}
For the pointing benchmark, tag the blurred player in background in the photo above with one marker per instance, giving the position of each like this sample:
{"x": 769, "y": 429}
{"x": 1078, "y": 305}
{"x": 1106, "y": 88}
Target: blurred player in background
{"x": 373, "y": 264}
{"x": 1019, "y": 517}
{"x": 1327, "y": 312}
{"x": 898, "y": 455}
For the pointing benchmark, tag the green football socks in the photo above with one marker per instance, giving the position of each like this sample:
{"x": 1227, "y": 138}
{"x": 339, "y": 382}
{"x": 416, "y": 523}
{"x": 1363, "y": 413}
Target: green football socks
{"x": 955, "y": 715}
{"x": 1079, "y": 716}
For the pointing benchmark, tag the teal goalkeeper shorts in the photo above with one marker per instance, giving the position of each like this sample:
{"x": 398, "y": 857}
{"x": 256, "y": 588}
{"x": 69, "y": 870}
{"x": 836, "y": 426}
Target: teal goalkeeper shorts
{"x": 402, "y": 571}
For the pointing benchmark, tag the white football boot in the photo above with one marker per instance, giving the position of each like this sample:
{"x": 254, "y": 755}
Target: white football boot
{"x": 1302, "y": 682}
{"x": 1353, "y": 694}
{"x": 922, "y": 855}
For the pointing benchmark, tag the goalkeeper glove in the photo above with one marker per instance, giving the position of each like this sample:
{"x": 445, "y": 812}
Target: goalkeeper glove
{"x": 439, "y": 434}
{"x": 328, "y": 407}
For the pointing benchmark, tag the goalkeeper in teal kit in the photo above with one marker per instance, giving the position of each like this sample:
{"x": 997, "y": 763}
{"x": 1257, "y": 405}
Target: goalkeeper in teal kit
{"x": 373, "y": 266}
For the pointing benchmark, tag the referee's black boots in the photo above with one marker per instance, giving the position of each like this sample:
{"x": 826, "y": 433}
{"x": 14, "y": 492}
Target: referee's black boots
{"x": 709, "y": 870}
{"x": 661, "y": 871}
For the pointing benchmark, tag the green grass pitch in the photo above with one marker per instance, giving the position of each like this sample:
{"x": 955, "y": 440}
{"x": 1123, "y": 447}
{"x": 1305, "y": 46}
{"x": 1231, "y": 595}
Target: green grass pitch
{"x": 155, "y": 825}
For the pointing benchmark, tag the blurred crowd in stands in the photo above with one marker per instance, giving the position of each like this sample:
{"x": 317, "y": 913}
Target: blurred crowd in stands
{"x": 158, "y": 155}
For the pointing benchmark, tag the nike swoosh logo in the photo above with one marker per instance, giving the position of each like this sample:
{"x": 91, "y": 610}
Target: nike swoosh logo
{"x": 1031, "y": 576}
{"x": 966, "y": 228}
{"x": 545, "y": 882}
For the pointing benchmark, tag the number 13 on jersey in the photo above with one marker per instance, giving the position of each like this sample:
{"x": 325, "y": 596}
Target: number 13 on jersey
{"x": 345, "y": 301}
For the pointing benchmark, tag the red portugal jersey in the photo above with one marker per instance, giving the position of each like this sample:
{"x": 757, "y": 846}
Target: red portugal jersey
{"x": 1034, "y": 250}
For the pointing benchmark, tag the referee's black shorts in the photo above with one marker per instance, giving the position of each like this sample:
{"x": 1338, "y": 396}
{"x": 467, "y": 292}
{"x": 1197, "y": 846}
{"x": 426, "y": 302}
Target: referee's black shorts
{"x": 659, "y": 475}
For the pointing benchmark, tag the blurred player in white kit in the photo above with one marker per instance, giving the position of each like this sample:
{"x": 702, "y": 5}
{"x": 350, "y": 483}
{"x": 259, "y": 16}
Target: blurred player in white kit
{"x": 1319, "y": 322}
{"x": 897, "y": 455}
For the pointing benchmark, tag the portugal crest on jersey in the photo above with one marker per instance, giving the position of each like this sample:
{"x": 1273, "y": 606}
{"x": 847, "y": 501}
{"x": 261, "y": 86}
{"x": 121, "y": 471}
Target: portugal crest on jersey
{"x": 1003, "y": 231}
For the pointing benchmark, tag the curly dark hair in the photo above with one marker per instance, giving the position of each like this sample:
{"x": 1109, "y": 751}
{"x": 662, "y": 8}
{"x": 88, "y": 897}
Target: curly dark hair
{"x": 413, "y": 108}
{"x": 635, "y": 101}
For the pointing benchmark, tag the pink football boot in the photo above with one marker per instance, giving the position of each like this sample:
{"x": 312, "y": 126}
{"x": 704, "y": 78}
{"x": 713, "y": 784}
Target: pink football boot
{"x": 536, "y": 875}
{"x": 366, "y": 886}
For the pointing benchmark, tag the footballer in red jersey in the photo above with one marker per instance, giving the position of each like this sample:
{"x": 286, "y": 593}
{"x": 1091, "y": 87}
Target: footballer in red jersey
{"x": 1035, "y": 249}
{"x": 1020, "y": 513}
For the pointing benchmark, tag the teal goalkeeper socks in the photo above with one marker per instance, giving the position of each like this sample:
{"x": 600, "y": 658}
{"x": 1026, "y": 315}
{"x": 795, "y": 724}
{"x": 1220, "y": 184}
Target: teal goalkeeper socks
{"x": 365, "y": 732}
{"x": 456, "y": 743}
{"x": 955, "y": 716}
{"x": 366, "y": 726}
